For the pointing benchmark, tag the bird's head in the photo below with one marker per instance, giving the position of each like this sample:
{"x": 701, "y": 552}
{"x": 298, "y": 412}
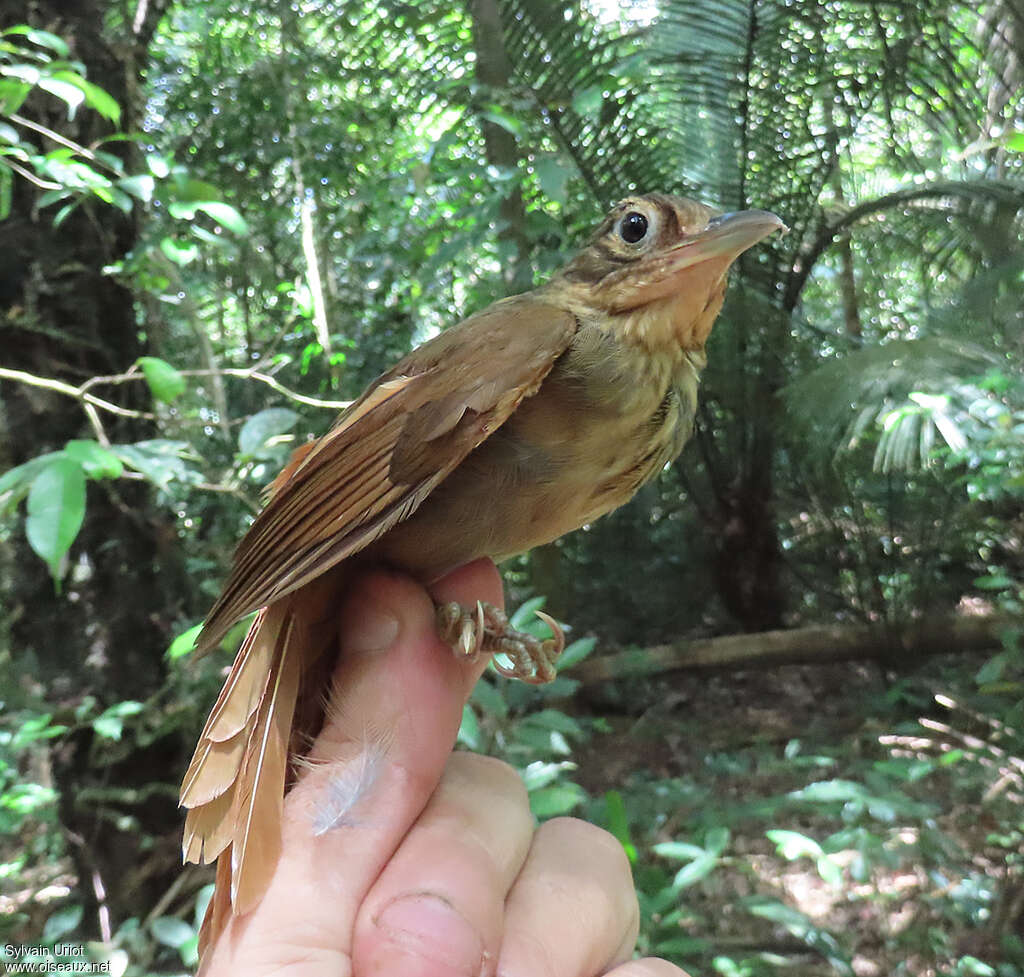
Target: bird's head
{"x": 657, "y": 264}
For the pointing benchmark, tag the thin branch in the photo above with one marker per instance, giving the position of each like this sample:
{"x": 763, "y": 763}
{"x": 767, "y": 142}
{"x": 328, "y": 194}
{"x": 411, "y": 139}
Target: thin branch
{"x": 31, "y": 177}
{"x": 223, "y": 489}
{"x": 58, "y": 138}
{"x": 78, "y": 393}
{"x": 252, "y": 373}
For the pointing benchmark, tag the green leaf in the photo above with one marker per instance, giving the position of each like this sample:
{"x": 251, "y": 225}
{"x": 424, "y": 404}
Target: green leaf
{"x": 171, "y": 932}
{"x": 225, "y": 215}
{"x": 62, "y": 922}
{"x": 52, "y": 197}
{"x": 158, "y": 165}
{"x": 110, "y": 723}
{"x": 40, "y": 37}
{"x": 541, "y": 774}
{"x": 6, "y": 192}
{"x": 551, "y": 802}
{"x": 680, "y": 851}
{"x": 35, "y": 728}
{"x": 259, "y": 429}
{"x": 589, "y": 101}
{"x": 716, "y": 840}
{"x": 15, "y": 482}
{"x": 828, "y": 791}
{"x": 203, "y": 898}
{"x": 140, "y": 186}
{"x": 97, "y": 462}
{"x": 792, "y": 845}
{"x": 56, "y": 510}
{"x": 184, "y": 643}
{"x": 487, "y": 696}
{"x": 576, "y": 652}
{"x": 99, "y": 100}
{"x": 70, "y": 95}
{"x": 500, "y": 117}
{"x": 165, "y": 382}
{"x": 552, "y": 176}
{"x": 617, "y": 822}
{"x": 469, "y": 729}
{"x": 180, "y": 252}
{"x": 188, "y": 190}
{"x": 993, "y": 581}
{"x": 159, "y": 459}
{"x": 1016, "y": 142}
{"x": 12, "y": 95}
{"x": 698, "y": 869}
{"x": 524, "y": 616}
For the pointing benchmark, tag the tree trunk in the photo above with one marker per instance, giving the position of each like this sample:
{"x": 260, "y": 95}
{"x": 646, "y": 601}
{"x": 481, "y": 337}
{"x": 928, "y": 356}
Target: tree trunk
{"x": 494, "y": 73}
{"x": 64, "y": 318}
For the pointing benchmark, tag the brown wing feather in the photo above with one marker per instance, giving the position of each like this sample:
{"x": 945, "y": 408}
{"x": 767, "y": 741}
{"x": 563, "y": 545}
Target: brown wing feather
{"x": 390, "y": 449}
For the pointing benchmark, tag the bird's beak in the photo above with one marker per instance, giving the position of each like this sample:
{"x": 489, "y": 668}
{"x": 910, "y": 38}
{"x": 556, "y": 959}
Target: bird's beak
{"x": 699, "y": 260}
{"x": 727, "y": 236}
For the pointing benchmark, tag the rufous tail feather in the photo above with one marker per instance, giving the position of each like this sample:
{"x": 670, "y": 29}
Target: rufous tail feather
{"x": 234, "y": 787}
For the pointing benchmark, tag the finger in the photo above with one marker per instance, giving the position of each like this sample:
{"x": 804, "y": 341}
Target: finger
{"x": 648, "y": 967}
{"x": 395, "y": 709}
{"x": 572, "y": 911}
{"x": 438, "y": 908}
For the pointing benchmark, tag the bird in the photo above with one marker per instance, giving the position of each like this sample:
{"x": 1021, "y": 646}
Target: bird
{"x": 523, "y": 422}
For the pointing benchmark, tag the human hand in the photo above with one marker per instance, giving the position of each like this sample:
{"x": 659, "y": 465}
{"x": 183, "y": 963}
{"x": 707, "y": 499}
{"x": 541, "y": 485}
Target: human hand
{"x": 437, "y": 867}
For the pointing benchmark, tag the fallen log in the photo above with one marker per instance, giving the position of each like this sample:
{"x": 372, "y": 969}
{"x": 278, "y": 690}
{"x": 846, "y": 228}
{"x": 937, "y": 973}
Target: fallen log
{"x": 813, "y": 645}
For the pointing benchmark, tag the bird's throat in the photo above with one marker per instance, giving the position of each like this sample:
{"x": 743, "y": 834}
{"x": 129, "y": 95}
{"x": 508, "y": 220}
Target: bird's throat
{"x": 679, "y": 323}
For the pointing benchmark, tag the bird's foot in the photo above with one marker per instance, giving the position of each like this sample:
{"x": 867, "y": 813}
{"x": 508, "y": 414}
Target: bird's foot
{"x": 486, "y": 630}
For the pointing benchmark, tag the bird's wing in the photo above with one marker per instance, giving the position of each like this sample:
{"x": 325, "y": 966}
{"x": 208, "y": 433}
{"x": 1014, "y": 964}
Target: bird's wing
{"x": 389, "y": 450}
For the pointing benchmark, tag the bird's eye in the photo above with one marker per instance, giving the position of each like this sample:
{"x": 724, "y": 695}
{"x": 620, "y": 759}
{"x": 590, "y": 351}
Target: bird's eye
{"x": 633, "y": 227}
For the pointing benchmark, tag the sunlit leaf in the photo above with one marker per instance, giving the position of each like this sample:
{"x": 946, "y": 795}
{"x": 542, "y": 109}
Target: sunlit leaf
{"x": 97, "y": 462}
{"x": 180, "y": 252}
{"x": 40, "y": 37}
{"x": 110, "y": 723}
{"x": 225, "y": 215}
{"x": 700, "y": 868}
{"x": 184, "y": 643}
{"x": 165, "y": 382}
{"x": 140, "y": 186}
{"x": 12, "y": 95}
{"x": 71, "y": 95}
{"x": 792, "y": 845}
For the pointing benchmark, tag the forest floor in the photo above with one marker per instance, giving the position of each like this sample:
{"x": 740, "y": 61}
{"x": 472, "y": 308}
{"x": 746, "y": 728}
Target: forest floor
{"x": 913, "y": 798}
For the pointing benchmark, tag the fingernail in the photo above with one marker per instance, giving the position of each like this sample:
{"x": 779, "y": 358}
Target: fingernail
{"x": 423, "y": 934}
{"x": 373, "y": 626}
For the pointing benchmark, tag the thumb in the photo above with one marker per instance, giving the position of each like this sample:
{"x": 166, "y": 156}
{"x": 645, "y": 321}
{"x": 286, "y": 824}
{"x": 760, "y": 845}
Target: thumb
{"x": 395, "y": 706}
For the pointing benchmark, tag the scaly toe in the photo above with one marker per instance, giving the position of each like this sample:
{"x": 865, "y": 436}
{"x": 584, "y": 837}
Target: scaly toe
{"x": 486, "y": 630}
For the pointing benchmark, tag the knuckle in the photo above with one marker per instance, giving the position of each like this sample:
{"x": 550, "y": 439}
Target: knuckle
{"x": 485, "y": 773}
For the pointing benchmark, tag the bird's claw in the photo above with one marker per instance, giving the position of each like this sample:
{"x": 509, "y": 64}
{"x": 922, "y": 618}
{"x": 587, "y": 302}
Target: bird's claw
{"x": 486, "y": 630}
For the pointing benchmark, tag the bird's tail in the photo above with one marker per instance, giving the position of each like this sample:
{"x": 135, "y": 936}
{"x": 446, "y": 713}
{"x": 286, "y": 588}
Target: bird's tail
{"x": 234, "y": 787}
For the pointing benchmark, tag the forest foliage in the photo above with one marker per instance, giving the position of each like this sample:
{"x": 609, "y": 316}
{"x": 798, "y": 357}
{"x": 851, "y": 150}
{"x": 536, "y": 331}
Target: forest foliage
{"x": 224, "y": 219}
